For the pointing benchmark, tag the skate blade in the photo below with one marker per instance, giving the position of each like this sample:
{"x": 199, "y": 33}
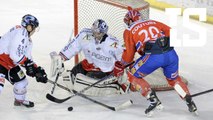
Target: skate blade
{"x": 149, "y": 114}
{"x": 195, "y": 113}
{"x": 160, "y": 107}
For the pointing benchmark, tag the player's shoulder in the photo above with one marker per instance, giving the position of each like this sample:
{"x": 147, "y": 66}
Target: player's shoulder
{"x": 111, "y": 38}
{"x": 18, "y": 29}
{"x": 86, "y": 31}
{"x": 15, "y": 28}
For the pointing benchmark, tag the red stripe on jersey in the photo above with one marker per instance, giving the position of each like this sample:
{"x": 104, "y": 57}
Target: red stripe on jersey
{"x": 6, "y": 61}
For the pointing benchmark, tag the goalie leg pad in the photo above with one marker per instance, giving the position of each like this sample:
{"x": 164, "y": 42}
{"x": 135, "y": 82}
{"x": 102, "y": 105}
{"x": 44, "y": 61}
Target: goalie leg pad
{"x": 102, "y": 89}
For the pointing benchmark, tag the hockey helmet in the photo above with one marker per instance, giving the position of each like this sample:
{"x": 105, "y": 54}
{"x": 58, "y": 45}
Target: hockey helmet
{"x": 29, "y": 20}
{"x": 100, "y": 26}
{"x": 132, "y": 16}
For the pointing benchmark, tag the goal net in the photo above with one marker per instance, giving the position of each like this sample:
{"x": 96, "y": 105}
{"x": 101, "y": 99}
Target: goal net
{"x": 113, "y": 12}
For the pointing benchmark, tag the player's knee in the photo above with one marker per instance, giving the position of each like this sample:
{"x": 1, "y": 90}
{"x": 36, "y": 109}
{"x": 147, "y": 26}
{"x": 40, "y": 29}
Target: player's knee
{"x": 172, "y": 82}
{"x": 179, "y": 86}
{"x": 20, "y": 87}
{"x": 139, "y": 84}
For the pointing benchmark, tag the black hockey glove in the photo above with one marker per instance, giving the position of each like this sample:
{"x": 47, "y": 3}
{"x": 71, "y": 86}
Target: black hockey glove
{"x": 30, "y": 68}
{"x": 41, "y": 75}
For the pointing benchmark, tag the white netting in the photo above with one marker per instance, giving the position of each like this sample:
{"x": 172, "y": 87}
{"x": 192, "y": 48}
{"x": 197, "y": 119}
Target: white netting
{"x": 113, "y": 12}
{"x": 90, "y": 10}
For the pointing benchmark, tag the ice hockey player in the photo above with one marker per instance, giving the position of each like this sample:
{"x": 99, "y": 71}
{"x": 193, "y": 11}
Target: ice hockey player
{"x": 100, "y": 49}
{"x": 15, "y": 52}
{"x": 151, "y": 39}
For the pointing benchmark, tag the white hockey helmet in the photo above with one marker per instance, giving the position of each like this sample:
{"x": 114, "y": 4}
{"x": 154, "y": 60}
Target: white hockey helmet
{"x": 100, "y": 26}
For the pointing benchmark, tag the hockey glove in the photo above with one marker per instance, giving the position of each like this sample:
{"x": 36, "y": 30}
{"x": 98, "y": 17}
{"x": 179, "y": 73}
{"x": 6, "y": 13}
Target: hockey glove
{"x": 41, "y": 75}
{"x": 30, "y": 68}
{"x": 118, "y": 69}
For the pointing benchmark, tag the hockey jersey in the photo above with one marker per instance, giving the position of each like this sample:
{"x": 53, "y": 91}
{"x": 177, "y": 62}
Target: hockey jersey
{"x": 15, "y": 47}
{"x": 101, "y": 53}
{"x": 139, "y": 33}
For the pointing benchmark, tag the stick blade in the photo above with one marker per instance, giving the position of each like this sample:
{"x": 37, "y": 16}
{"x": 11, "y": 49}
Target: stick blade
{"x": 53, "y": 99}
{"x": 124, "y": 105}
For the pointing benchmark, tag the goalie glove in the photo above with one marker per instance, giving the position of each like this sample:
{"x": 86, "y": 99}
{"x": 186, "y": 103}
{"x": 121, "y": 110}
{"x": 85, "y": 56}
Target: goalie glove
{"x": 41, "y": 75}
{"x": 118, "y": 69}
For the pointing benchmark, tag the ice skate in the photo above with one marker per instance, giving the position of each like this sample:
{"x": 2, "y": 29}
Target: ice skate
{"x": 25, "y": 103}
{"x": 191, "y": 105}
{"x": 154, "y": 104}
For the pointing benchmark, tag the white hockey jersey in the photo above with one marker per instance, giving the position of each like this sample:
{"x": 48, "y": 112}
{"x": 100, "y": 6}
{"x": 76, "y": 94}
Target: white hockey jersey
{"x": 15, "y": 47}
{"x": 101, "y": 53}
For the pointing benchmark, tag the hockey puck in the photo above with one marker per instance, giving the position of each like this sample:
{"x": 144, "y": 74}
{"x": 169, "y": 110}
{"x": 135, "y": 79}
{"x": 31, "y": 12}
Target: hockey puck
{"x": 70, "y": 108}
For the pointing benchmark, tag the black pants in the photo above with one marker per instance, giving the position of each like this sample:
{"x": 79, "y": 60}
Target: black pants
{"x": 93, "y": 74}
{"x": 13, "y": 75}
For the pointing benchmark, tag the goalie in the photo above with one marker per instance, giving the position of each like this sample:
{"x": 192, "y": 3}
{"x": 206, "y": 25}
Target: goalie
{"x": 101, "y": 52}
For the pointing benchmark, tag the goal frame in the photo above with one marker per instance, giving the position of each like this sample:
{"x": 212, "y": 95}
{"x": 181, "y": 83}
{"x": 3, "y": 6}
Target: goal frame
{"x": 110, "y": 2}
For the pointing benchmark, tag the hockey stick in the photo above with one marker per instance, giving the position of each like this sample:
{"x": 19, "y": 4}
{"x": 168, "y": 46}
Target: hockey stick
{"x": 54, "y": 83}
{"x": 121, "y": 106}
{"x": 53, "y": 99}
{"x": 200, "y": 93}
{"x": 59, "y": 85}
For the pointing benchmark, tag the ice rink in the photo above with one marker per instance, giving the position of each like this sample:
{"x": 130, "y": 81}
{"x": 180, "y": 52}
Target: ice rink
{"x": 56, "y": 24}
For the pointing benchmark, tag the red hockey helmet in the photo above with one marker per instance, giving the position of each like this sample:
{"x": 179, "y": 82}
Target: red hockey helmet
{"x": 132, "y": 16}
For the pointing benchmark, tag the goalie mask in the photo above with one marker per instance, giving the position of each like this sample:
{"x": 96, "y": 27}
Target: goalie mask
{"x": 99, "y": 28}
{"x": 132, "y": 16}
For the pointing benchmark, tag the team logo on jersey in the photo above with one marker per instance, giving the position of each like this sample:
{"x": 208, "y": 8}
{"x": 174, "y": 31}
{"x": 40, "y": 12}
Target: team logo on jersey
{"x": 114, "y": 45}
{"x": 101, "y": 57}
{"x": 86, "y": 37}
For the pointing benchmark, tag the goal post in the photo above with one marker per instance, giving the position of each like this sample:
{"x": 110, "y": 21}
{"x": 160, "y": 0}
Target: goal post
{"x": 113, "y": 12}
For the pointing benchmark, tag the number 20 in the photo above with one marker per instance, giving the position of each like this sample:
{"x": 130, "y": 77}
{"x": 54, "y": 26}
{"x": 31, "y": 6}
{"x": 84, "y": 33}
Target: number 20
{"x": 150, "y": 30}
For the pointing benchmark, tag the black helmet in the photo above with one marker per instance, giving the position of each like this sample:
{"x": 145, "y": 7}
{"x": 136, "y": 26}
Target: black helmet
{"x": 29, "y": 20}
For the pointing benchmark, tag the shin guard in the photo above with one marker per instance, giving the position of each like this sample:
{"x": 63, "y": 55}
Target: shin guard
{"x": 139, "y": 84}
{"x": 179, "y": 86}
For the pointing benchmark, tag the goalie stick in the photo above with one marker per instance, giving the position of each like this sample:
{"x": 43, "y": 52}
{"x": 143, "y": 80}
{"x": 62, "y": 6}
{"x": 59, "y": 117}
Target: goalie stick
{"x": 54, "y": 83}
{"x": 119, "y": 107}
{"x": 53, "y": 99}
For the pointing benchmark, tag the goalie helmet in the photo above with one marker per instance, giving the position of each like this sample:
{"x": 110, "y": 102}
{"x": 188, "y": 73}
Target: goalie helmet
{"x": 29, "y": 20}
{"x": 100, "y": 26}
{"x": 132, "y": 16}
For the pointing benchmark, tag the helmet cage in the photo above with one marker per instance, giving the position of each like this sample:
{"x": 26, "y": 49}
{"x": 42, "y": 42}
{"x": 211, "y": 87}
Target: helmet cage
{"x": 100, "y": 26}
